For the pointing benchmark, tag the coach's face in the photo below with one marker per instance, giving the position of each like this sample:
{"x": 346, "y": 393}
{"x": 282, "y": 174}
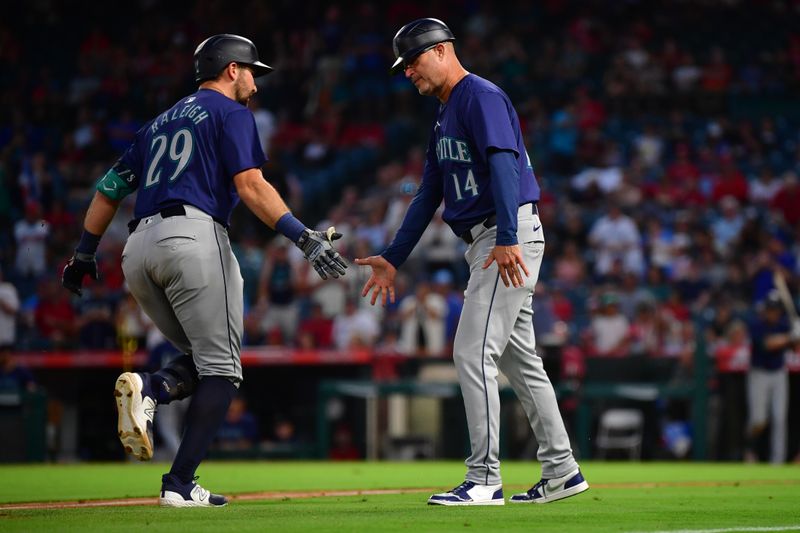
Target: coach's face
{"x": 427, "y": 71}
{"x": 245, "y": 85}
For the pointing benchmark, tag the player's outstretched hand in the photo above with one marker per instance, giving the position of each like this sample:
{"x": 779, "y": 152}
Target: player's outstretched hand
{"x": 317, "y": 247}
{"x": 79, "y": 266}
{"x": 508, "y": 257}
{"x": 381, "y": 280}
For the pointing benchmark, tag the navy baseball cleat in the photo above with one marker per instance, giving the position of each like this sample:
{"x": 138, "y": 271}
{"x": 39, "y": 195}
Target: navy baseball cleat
{"x": 469, "y": 493}
{"x": 550, "y": 490}
{"x": 175, "y": 493}
{"x": 136, "y": 406}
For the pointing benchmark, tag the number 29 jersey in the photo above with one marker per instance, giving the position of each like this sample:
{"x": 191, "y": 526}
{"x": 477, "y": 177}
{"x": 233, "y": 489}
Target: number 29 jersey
{"x": 189, "y": 154}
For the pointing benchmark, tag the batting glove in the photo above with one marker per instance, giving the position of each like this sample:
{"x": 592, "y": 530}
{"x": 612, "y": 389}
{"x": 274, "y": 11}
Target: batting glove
{"x": 317, "y": 247}
{"x": 79, "y": 266}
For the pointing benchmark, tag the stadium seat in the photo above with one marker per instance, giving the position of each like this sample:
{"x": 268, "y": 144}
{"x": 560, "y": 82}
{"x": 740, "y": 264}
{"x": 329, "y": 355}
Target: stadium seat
{"x": 620, "y": 429}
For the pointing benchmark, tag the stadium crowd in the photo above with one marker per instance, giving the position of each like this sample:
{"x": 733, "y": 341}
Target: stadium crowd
{"x": 666, "y": 144}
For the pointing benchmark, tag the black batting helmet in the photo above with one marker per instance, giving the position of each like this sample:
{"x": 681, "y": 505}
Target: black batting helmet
{"x": 216, "y": 52}
{"x": 416, "y": 37}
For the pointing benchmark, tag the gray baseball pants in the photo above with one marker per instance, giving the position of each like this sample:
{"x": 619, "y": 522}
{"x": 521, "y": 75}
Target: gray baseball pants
{"x": 183, "y": 274}
{"x": 496, "y": 332}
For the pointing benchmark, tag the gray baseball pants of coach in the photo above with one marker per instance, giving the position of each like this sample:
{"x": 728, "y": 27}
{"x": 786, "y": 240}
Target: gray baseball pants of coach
{"x": 183, "y": 274}
{"x": 496, "y": 331}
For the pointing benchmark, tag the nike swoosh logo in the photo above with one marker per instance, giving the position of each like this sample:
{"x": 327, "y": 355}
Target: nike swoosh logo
{"x": 536, "y": 228}
{"x": 106, "y": 187}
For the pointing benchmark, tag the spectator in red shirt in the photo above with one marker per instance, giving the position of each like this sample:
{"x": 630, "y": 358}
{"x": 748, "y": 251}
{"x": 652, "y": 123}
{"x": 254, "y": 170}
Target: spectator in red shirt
{"x": 316, "y": 331}
{"x": 732, "y": 358}
{"x": 55, "y": 317}
{"x": 682, "y": 169}
{"x": 730, "y": 181}
{"x": 788, "y": 198}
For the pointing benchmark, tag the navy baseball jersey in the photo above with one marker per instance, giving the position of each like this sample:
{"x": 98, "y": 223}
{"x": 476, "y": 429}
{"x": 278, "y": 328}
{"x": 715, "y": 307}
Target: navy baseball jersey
{"x": 477, "y": 117}
{"x": 761, "y": 356}
{"x": 189, "y": 155}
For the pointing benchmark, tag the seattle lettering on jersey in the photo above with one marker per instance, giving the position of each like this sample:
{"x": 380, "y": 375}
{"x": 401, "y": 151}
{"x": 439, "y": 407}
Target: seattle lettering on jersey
{"x": 449, "y": 148}
{"x": 194, "y": 112}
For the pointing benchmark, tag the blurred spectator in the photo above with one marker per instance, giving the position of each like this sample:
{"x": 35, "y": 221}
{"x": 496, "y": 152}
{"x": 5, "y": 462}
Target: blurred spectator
{"x": 316, "y": 330}
{"x": 422, "y": 322}
{"x": 31, "y": 234}
{"x": 265, "y": 123}
{"x": 728, "y": 226}
{"x": 730, "y": 182}
{"x": 616, "y": 238}
{"x": 764, "y": 188}
{"x": 55, "y": 316}
{"x": 96, "y": 319}
{"x": 570, "y": 267}
{"x": 443, "y": 283}
{"x": 239, "y": 431}
{"x": 787, "y": 199}
{"x": 9, "y": 307}
{"x": 609, "y": 330}
{"x": 649, "y": 147}
{"x": 439, "y": 248}
{"x": 14, "y": 376}
{"x": 355, "y": 328}
{"x": 283, "y": 436}
{"x": 731, "y": 354}
{"x": 343, "y": 447}
{"x": 277, "y": 310}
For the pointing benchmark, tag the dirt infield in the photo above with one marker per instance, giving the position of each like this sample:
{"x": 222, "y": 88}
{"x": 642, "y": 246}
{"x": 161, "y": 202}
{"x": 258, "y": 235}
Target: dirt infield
{"x": 264, "y": 496}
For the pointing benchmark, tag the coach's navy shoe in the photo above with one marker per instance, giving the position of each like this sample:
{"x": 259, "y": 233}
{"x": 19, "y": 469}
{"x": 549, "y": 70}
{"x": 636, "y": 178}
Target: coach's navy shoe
{"x": 136, "y": 406}
{"x": 175, "y": 493}
{"x": 550, "y": 490}
{"x": 469, "y": 493}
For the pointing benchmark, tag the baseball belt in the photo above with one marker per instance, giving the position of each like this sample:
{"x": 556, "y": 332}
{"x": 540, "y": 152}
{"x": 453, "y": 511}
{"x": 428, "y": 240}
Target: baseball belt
{"x": 473, "y": 233}
{"x": 167, "y": 212}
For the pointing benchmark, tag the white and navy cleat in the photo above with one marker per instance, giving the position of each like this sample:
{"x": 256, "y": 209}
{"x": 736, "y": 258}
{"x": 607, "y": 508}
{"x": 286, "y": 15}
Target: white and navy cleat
{"x": 469, "y": 493}
{"x": 550, "y": 490}
{"x": 135, "y": 407}
{"x": 174, "y": 493}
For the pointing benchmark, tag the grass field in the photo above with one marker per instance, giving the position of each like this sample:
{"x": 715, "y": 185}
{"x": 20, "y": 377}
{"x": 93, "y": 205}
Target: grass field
{"x": 323, "y": 496}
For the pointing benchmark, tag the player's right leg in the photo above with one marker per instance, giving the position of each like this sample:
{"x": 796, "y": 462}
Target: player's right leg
{"x": 137, "y": 394}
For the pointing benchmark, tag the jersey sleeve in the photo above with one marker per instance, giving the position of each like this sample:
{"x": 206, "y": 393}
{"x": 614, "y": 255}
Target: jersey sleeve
{"x": 489, "y": 121}
{"x": 123, "y": 177}
{"x": 240, "y": 147}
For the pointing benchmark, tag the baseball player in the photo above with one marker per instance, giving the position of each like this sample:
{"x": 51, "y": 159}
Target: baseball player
{"x": 476, "y": 161}
{"x": 190, "y": 165}
{"x": 771, "y": 337}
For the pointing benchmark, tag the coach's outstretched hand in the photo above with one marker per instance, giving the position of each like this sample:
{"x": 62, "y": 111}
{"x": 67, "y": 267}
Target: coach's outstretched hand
{"x": 79, "y": 266}
{"x": 317, "y": 247}
{"x": 382, "y": 278}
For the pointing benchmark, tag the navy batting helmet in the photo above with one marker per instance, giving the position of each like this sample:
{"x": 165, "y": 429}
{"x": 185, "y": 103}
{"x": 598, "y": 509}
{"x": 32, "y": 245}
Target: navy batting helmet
{"x": 416, "y": 37}
{"x": 216, "y": 52}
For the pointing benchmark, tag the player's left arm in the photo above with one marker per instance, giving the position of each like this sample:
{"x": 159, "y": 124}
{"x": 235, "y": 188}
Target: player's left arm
{"x": 266, "y": 203}
{"x": 110, "y": 190}
{"x": 505, "y": 188}
{"x": 489, "y": 121}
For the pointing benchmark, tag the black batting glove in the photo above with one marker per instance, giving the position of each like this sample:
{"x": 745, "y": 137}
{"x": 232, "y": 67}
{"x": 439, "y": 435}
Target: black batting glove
{"x": 317, "y": 247}
{"x": 79, "y": 266}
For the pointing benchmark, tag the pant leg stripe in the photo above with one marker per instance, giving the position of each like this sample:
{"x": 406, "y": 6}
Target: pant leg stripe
{"x": 225, "y": 287}
{"x": 483, "y": 371}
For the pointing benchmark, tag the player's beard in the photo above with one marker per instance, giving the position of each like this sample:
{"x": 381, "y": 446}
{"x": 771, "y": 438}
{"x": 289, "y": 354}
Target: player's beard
{"x": 242, "y": 92}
